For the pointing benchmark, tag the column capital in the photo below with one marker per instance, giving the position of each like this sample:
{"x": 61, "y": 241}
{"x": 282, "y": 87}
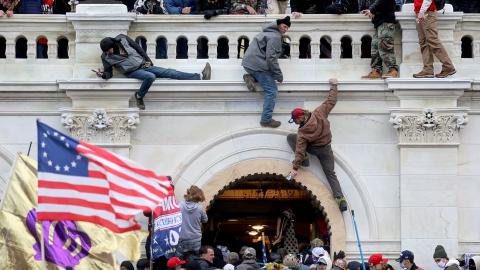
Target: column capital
{"x": 429, "y": 127}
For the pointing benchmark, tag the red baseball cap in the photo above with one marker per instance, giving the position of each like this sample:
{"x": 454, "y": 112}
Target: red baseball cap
{"x": 376, "y": 259}
{"x": 296, "y": 113}
{"x": 174, "y": 262}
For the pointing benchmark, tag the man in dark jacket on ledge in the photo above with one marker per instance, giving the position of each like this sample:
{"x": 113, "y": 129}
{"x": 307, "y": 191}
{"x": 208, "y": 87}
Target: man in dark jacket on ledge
{"x": 314, "y": 136}
{"x": 261, "y": 64}
{"x": 127, "y": 56}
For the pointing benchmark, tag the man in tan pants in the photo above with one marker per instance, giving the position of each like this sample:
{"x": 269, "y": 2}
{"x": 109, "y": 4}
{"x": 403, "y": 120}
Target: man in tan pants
{"x": 429, "y": 42}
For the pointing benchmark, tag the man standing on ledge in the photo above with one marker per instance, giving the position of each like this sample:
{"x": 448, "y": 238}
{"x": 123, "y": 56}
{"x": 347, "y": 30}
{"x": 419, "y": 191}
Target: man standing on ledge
{"x": 261, "y": 63}
{"x": 314, "y": 136}
{"x": 126, "y": 55}
{"x": 429, "y": 42}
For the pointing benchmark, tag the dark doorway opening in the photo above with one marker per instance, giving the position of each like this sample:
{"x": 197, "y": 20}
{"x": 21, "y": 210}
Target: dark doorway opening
{"x": 259, "y": 200}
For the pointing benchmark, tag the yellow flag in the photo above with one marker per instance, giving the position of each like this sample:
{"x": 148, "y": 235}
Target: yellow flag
{"x": 80, "y": 245}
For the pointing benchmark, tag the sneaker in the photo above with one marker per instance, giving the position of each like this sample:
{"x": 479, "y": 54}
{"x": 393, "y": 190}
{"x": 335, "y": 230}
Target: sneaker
{"x": 423, "y": 74}
{"x": 207, "y": 72}
{"x": 140, "y": 103}
{"x": 250, "y": 81}
{"x": 271, "y": 124}
{"x": 306, "y": 161}
{"x": 342, "y": 204}
{"x": 445, "y": 73}
{"x": 392, "y": 73}
{"x": 373, "y": 75}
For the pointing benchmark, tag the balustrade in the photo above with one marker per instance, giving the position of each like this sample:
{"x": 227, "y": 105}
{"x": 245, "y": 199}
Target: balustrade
{"x": 341, "y": 42}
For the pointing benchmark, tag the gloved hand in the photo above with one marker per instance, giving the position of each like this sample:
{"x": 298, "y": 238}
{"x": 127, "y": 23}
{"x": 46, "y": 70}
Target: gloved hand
{"x": 209, "y": 14}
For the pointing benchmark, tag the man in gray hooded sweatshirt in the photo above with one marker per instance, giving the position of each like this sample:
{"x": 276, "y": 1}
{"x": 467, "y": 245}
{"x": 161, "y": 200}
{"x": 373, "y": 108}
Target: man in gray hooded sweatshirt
{"x": 261, "y": 63}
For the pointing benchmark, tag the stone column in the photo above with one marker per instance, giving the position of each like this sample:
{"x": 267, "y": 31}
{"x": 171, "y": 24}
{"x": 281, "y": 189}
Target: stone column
{"x": 428, "y": 122}
{"x": 92, "y": 23}
{"x": 411, "y": 56}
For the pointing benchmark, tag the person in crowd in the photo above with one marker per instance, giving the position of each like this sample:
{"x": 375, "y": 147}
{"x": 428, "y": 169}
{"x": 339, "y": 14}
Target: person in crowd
{"x": 322, "y": 264}
{"x": 314, "y": 136}
{"x": 129, "y": 4}
{"x": 382, "y": 13}
{"x": 339, "y": 261}
{"x": 320, "y": 254}
{"x": 143, "y": 264}
{"x": 292, "y": 263}
{"x": 261, "y": 64}
{"x": 7, "y": 7}
{"x": 175, "y": 263}
{"x": 276, "y": 6}
{"x": 430, "y": 44}
{"x": 354, "y": 265}
{"x": 441, "y": 259}
{"x": 307, "y": 257}
{"x": 30, "y": 7}
{"x": 148, "y": 7}
{"x": 406, "y": 261}
{"x": 275, "y": 263}
{"x": 377, "y": 262}
{"x": 300, "y": 7}
{"x": 212, "y": 8}
{"x": 466, "y": 6}
{"x": 342, "y": 7}
{"x": 202, "y": 262}
{"x": 193, "y": 215}
{"x": 126, "y": 265}
{"x": 474, "y": 263}
{"x": 249, "y": 260}
{"x": 247, "y": 7}
{"x": 232, "y": 261}
{"x": 126, "y": 55}
{"x": 180, "y": 6}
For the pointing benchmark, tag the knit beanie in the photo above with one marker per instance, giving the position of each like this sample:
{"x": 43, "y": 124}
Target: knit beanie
{"x": 107, "y": 43}
{"x": 440, "y": 252}
{"x": 285, "y": 21}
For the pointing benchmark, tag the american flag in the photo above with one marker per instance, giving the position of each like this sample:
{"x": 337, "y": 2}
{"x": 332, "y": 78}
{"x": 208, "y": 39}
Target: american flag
{"x": 81, "y": 182}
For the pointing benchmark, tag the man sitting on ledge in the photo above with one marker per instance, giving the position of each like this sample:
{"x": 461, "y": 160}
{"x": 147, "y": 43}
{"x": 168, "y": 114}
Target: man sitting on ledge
{"x": 125, "y": 54}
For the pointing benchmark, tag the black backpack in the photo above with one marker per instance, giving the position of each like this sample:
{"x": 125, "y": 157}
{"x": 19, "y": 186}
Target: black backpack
{"x": 440, "y": 4}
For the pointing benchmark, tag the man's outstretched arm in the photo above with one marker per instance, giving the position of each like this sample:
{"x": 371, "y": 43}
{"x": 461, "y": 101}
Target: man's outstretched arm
{"x": 331, "y": 100}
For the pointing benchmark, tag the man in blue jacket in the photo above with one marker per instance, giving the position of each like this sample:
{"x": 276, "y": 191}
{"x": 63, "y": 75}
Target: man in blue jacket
{"x": 127, "y": 56}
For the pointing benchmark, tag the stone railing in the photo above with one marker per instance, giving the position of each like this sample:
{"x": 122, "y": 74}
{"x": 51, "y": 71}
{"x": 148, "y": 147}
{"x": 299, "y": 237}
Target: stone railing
{"x": 321, "y": 46}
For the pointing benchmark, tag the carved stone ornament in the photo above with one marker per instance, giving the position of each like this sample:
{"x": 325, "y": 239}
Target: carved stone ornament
{"x": 100, "y": 127}
{"x": 428, "y": 127}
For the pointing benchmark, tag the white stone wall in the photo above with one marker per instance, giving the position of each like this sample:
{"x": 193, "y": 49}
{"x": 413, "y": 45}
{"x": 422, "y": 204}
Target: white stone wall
{"x": 408, "y": 191}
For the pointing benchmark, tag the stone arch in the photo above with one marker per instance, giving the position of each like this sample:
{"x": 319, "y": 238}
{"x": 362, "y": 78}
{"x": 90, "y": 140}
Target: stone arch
{"x": 318, "y": 191}
{"x": 240, "y": 153}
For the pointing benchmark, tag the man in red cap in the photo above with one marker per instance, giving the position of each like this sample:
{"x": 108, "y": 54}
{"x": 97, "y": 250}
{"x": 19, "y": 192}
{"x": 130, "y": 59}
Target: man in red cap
{"x": 376, "y": 261}
{"x": 314, "y": 136}
{"x": 175, "y": 263}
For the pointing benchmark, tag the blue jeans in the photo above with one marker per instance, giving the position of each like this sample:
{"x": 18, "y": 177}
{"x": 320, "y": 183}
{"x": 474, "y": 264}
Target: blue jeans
{"x": 148, "y": 76}
{"x": 270, "y": 90}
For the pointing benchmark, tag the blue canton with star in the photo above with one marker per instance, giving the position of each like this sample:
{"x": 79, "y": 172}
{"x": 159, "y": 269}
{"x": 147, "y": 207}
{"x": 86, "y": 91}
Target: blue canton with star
{"x": 57, "y": 154}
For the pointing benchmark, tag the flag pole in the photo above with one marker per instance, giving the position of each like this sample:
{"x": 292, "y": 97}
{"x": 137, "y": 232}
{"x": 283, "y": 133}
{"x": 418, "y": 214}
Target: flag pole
{"x": 42, "y": 246}
{"x": 151, "y": 230}
{"x": 358, "y": 239}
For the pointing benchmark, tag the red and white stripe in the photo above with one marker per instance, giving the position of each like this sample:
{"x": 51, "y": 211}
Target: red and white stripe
{"x": 115, "y": 190}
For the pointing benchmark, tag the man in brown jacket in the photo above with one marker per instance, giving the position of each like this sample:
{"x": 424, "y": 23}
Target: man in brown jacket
{"x": 314, "y": 136}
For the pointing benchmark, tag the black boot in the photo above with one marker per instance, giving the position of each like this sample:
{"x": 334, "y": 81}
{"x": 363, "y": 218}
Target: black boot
{"x": 140, "y": 103}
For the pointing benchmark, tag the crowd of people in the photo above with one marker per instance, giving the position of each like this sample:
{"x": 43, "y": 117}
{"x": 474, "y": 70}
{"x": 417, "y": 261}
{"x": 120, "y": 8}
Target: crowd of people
{"x": 311, "y": 258}
{"x": 212, "y": 8}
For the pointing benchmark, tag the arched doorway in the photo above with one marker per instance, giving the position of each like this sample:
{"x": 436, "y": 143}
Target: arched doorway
{"x": 251, "y": 206}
